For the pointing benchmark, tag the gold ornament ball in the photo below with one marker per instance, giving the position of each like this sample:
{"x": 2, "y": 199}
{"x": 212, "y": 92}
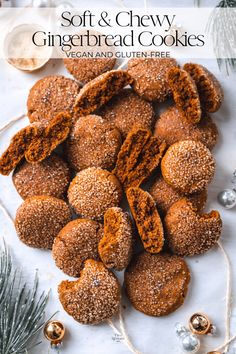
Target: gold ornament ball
{"x": 199, "y": 323}
{"x": 54, "y": 331}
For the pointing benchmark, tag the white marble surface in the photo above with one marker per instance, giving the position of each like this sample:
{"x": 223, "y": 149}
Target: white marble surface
{"x": 208, "y": 284}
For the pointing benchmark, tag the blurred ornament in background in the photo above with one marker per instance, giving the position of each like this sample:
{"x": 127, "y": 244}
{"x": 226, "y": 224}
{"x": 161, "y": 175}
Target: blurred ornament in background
{"x": 41, "y": 3}
{"x": 189, "y": 342}
{"x": 61, "y": 5}
{"x": 5, "y": 3}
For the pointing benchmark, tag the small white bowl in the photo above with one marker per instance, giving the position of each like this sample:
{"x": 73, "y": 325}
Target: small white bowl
{"x": 17, "y": 48}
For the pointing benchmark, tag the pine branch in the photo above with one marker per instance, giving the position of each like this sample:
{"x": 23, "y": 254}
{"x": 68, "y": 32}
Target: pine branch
{"x": 222, "y": 26}
{"x": 21, "y": 310}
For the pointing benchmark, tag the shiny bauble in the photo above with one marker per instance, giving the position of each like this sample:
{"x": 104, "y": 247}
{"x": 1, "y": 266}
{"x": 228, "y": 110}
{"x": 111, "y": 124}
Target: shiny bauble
{"x": 227, "y": 198}
{"x": 199, "y": 323}
{"x": 190, "y": 343}
{"x": 54, "y": 331}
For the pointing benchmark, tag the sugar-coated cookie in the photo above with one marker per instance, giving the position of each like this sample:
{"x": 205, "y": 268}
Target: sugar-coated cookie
{"x": 93, "y": 191}
{"x": 93, "y": 142}
{"x": 157, "y": 284}
{"x": 94, "y": 297}
{"x": 189, "y": 233}
{"x": 39, "y": 220}
{"x": 75, "y": 243}
{"x": 188, "y": 166}
{"x": 150, "y": 77}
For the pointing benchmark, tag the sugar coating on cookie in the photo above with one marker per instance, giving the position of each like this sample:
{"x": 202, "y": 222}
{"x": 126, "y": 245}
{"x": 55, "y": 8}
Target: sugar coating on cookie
{"x": 86, "y": 69}
{"x": 100, "y": 90}
{"x": 127, "y": 110}
{"x": 189, "y": 233}
{"x": 75, "y": 243}
{"x": 51, "y": 95}
{"x": 147, "y": 219}
{"x": 188, "y": 166}
{"x": 93, "y": 142}
{"x": 157, "y": 284}
{"x": 209, "y": 89}
{"x": 150, "y": 77}
{"x": 185, "y": 93}
{"x": 139, "y": 156}
{"x": 93, "y": 191}
{"x": 50, "y": 177}
{"x": 39, "y": 220}
{"x": 115, "y": 247}
{"x": 164, "y": 196}
{"x": 94, "y": 297}
{"x": 173, "y": 126}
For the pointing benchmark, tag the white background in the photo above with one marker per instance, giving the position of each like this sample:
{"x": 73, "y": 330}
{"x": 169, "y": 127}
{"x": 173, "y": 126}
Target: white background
{"x": 207, "y": 289}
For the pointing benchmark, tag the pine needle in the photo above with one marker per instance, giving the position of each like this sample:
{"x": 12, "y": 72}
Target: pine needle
{"x": 21, "y": 310}
{"x": 222, "y": 26}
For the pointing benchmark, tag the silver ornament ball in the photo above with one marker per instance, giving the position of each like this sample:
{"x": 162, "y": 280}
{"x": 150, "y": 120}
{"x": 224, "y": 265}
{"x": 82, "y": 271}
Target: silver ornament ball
{"x": 227, "y": 198}
{"x": 190, "y": 344}
{"x": 213, "y": 330}
{"x": 180, "y": 329}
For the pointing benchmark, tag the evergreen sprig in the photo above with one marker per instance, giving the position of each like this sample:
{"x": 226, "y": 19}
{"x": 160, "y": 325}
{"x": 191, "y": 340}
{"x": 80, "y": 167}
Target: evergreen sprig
{"x": 21, "y": 309}
{"x": 222, "y": 26}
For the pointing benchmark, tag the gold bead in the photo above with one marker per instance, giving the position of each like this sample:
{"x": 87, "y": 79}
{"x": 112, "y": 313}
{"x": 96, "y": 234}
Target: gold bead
{"x": 214, "y": 353}
{"x": 200, "y": 324}
{"x": 54, "y": 331}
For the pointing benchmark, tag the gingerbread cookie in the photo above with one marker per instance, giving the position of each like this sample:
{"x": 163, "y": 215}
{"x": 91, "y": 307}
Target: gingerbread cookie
{"x": 164, "y": 196}
{"x": 75, "y": 243}
{"x": 94, "y": 297}
{"x": 39, "y": 220}
{"x": 209, "y": 89}
{"x": 35, "y": 142}
{"x": 139, "y": 155}
{"x": 185, "y": 94}
{"x": 93, "y": 191}
{"x": 147, "y": 219}
{"x": 49, "y": 137}
{"x": 15, "y": 152}
{"x": 127, "y": 110}
{"x": 188, "y": 166}
{"x": 50, "y": 177}
{"x": 93, "y": 143}
{"x": 86, "y": 69}
{"x": 50, "y": 96}
{"x": 157, "y": 284}
{"x": 173, "y": 126}
{"x": 100, "y": 90}
{"x": 115, "y": 248}
{"x": 150, "y": 77}
{"x": 189, "y": 233}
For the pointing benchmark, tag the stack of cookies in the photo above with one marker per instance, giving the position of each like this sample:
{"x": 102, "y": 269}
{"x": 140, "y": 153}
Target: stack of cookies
{"x": 110, "y": 185}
